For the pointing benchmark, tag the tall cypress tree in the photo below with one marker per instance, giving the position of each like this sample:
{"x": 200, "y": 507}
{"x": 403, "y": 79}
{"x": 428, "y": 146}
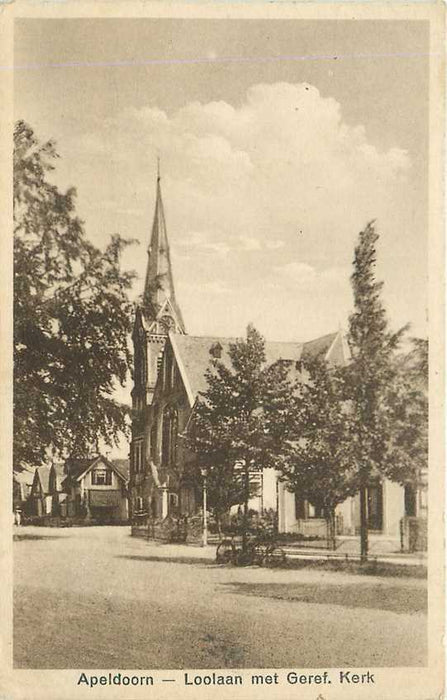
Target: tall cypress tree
{"x": 370, "y": 373}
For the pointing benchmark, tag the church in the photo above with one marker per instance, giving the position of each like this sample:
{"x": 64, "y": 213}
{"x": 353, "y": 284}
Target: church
{"x": 169, "y": 373}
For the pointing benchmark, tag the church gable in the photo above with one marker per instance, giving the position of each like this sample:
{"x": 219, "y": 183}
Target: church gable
{"x": 172, "y": 379}
{"x": 168, "y": 319}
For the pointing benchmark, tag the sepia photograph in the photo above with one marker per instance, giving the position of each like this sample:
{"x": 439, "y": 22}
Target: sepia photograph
{"x": 222, "y": 341}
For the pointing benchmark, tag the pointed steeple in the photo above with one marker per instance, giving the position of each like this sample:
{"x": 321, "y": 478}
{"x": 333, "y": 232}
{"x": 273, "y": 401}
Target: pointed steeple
{"x": 159, "y": 302}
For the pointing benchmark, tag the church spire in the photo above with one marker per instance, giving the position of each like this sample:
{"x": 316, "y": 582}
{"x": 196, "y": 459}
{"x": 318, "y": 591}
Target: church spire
{"x": 159, "y": 302}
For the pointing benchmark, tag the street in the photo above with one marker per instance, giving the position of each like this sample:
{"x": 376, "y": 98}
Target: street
{"x": 97, "y": 598}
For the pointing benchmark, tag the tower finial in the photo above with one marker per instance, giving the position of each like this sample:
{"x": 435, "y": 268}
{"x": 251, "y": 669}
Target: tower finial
{"x": 158, "y": 167}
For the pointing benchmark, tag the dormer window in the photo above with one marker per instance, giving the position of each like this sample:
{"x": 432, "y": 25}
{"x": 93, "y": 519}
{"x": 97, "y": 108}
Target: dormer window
{"x": 102, "y": 477}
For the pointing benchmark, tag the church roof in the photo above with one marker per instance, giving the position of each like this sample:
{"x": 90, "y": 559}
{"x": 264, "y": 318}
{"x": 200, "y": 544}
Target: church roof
{"x": 193, "y": 357}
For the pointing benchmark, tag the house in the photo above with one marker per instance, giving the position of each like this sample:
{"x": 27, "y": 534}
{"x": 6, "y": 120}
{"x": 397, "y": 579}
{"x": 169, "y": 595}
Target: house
{"x": 169, "y": 373}
{"x": 96, "y": 489}
{"x": 46, "y": 491}
{"x": 22, "y": 482}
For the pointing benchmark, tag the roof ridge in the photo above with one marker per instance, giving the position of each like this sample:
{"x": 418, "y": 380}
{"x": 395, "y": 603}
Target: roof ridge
{"x": 187, "y": 336}
{"x": 322, "y": 337}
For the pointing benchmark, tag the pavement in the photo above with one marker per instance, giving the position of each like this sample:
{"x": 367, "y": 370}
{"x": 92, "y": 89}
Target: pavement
{"x": 382, "y": 549}
{"x": 97, "y": 598}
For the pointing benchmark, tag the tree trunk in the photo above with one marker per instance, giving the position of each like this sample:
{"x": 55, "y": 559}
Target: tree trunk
{"x": 217, "y": 515}
{"x": 363, "y": 519}
{"x": 333, "y": 530}
{"x": 246, "y": 499}
{"x": 330, "y": 528}
{"x": 276, "y": 521}
{"x": 327, "y": 516}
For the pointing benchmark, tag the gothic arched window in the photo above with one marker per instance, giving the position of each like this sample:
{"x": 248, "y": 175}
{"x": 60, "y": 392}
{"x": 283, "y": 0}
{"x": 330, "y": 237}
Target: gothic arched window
{"x": 153, "y": 445}
{"x": 174, "y": 431}
{"x": 169, "y": 435}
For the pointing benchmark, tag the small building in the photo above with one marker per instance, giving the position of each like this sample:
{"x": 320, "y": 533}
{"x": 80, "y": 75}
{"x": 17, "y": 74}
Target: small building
{"x": 96, "y": 489}
{"x": 22, "y": 482}
{"x": 386, "y": 507}
{"x": 46, "y": 493}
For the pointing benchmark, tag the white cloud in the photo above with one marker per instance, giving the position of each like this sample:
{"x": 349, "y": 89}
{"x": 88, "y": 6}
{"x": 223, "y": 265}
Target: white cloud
{"x": 249, "y": 243}
{"x": 269, "y": 194}
{"x": 296, "y": 272}
{"x": 201, "y": 242}
{"x": 274, "y": 245}
{"x": 214, "y": 287}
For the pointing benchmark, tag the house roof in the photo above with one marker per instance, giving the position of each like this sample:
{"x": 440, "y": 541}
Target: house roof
{"x": 24, "y": 477}
{"x": 23, "y": 467}
{"x": 122, "y": 466}
{"x": 59, "y": 469}
{"x": 316, "y": 347}
{"x": 193, "y": 355}
{"x": 43, "y": 474}
{"x": 77, "y": 467}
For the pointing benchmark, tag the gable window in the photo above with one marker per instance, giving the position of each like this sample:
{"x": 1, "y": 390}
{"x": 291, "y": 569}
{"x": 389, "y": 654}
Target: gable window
{"x": 172, "y": 375}
{"x": 167, "y": 383}
{"x": 102, "y": 477}
{"x": 169, "y": 436}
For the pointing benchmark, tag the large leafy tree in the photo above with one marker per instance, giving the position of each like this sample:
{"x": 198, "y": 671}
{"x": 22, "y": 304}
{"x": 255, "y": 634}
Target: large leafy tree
{"x": 71, "y": 317}
{"x": 370, "y": 374}
{"x": 240, "y": 421}
{"x": 316, "y": 460}
{"x": 405, "y": 412}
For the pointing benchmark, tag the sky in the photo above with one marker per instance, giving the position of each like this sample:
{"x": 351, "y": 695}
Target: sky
{"x": 278, "y": 141}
